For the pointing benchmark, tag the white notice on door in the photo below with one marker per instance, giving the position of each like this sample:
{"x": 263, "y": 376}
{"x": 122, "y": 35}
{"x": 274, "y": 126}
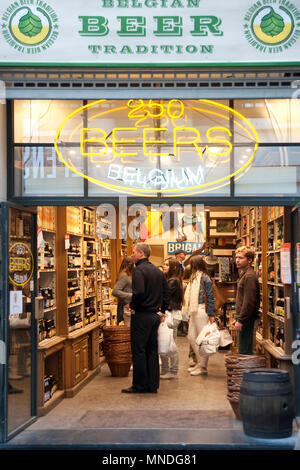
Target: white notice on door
{"x": 15, "y": 302}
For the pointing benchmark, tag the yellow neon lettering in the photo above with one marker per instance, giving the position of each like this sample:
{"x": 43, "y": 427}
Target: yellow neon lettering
{"x": 84, "y": 140}
{"x": 218, "y": 139}
{"x": 117, "y": 142}
{"x": 135, "y": 108}
{"x": 195, "y": 189}
{"x": 175, "y": 103}
{"x": 194, "y": 142}
{"x": 153, "y": 104}
{"x": 153, "y": 142}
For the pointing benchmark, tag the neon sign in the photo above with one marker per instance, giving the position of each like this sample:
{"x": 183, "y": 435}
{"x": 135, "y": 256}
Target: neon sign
{"x": 144, "y": 146}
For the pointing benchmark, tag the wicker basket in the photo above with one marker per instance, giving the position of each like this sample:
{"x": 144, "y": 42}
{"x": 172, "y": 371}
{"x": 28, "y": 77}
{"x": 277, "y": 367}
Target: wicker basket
{"x": 236, "y": 365}
{"x": 117, "y": 349}
{"x": 119, "y": 369}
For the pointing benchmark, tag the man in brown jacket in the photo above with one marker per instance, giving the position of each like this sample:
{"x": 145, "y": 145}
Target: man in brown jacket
{"x": 247, "y": 300}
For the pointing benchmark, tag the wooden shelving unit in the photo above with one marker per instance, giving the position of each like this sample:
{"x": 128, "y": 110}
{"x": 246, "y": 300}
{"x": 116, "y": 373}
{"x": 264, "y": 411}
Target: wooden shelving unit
{"x": 81, "y": 270}
{"x": 266, "y": 229}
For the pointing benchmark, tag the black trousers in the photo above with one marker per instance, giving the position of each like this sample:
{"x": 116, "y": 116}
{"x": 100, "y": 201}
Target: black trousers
{"x": 145, "y": 361}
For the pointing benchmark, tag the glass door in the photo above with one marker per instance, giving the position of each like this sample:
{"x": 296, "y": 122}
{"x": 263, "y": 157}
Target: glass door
{"x": 17, "y": 319}
{"x": 295, "y": 225}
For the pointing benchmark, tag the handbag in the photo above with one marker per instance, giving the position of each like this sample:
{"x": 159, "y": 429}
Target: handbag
{"x": 219, "y": 298}
{"x": 209, "y": 338}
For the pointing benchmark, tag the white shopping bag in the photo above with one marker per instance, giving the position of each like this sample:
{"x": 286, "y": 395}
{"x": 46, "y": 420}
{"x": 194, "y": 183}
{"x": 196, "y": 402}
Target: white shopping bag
{"x": 209, "y": 338}
{"x": 169, "y": 319}
{"x": 164, "y": 338}
{"x": 225, "y": 338}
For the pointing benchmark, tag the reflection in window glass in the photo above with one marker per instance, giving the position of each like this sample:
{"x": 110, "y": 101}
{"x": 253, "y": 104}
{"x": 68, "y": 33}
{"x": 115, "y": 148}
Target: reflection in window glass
{"x": 37, "y": 121}
{"x": 274, "y": 120}
{"x": 275, "y": 172}
{"x": 38, "y": 171}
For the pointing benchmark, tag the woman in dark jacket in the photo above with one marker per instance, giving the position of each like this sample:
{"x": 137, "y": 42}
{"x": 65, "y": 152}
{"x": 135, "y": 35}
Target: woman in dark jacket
{"x": 173, "y": 272}
{"x": 123, "y": 290}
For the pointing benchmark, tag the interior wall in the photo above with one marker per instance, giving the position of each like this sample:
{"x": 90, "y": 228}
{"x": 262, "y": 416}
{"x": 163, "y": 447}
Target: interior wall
{"x": 157, "y": 254}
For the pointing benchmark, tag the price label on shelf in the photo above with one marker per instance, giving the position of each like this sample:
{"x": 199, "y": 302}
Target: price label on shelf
{"x": 67, "y": 242}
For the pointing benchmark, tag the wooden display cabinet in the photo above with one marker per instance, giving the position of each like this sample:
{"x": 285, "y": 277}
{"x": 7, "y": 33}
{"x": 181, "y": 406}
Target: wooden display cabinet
{"x": 84, "y": 266}
{"x": 76, "y": 342}
{"x": 50, "y": 360}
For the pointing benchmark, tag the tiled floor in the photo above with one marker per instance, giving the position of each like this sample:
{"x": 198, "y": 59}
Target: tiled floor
{"x": 71, "y": 421}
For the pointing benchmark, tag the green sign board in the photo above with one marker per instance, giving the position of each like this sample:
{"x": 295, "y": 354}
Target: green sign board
{"x": 149, "y": 32}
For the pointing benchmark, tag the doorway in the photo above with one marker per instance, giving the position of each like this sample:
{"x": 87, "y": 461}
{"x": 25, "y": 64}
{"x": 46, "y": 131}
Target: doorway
{"x": 18, "y": 326}
{"x": 71, "y": 353}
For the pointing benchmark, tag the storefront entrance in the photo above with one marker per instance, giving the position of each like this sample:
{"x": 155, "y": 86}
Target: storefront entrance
{"x": 61, "y": 263}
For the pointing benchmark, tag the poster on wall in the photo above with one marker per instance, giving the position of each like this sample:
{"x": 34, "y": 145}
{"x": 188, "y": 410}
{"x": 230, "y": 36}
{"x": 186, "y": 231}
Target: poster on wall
{"x": 157, "y": 32}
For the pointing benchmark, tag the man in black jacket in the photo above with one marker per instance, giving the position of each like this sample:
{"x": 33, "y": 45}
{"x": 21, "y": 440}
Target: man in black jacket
{"x": 150, "y": 295}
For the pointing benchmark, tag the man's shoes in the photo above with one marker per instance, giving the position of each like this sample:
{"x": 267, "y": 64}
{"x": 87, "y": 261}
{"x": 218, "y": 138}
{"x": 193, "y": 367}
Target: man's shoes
{"x": 133, "y": 390}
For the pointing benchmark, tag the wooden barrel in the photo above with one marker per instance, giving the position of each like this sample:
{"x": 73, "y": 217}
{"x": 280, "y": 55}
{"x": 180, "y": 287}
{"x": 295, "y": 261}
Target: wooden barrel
{"x": 117, "y": 349}
{"x": 267, "y": 404}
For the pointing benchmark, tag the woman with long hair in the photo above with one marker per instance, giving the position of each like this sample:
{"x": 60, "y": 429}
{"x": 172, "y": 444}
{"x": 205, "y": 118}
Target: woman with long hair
{"x": 173, "y": 272}
{"x": 123, "y": 290}
{"x": 199, "y": 289}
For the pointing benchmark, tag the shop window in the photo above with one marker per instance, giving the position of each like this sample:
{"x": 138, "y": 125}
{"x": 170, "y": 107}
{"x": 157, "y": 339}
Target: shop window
{"x": 37, "y": 121}
{"x": 145, "y": 147}
{"x": 274, "y": 120}
{"x": 275, "y": 171}
{"x": 38, "y": 171}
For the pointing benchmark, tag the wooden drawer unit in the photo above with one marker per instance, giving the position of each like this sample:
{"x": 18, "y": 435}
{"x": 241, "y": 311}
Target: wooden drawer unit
{"x": 80, "y": 360}
{"x": 76, "y": 363}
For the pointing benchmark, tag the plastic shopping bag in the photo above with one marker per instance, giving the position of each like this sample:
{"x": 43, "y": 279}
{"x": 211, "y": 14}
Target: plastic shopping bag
{"x": 164, "y": 338}
{"x": 225, "y": 338}
{"x": 169, "y": 319}
{"x": 209, "y": 338}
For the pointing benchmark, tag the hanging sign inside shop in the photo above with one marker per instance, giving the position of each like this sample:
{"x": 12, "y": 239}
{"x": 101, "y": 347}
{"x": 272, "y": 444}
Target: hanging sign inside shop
{"x": 187, "y": 247}
{"x": 20, "y": 261}
{"x": 144, "y": 147}
{"x": 157, "y": 32}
